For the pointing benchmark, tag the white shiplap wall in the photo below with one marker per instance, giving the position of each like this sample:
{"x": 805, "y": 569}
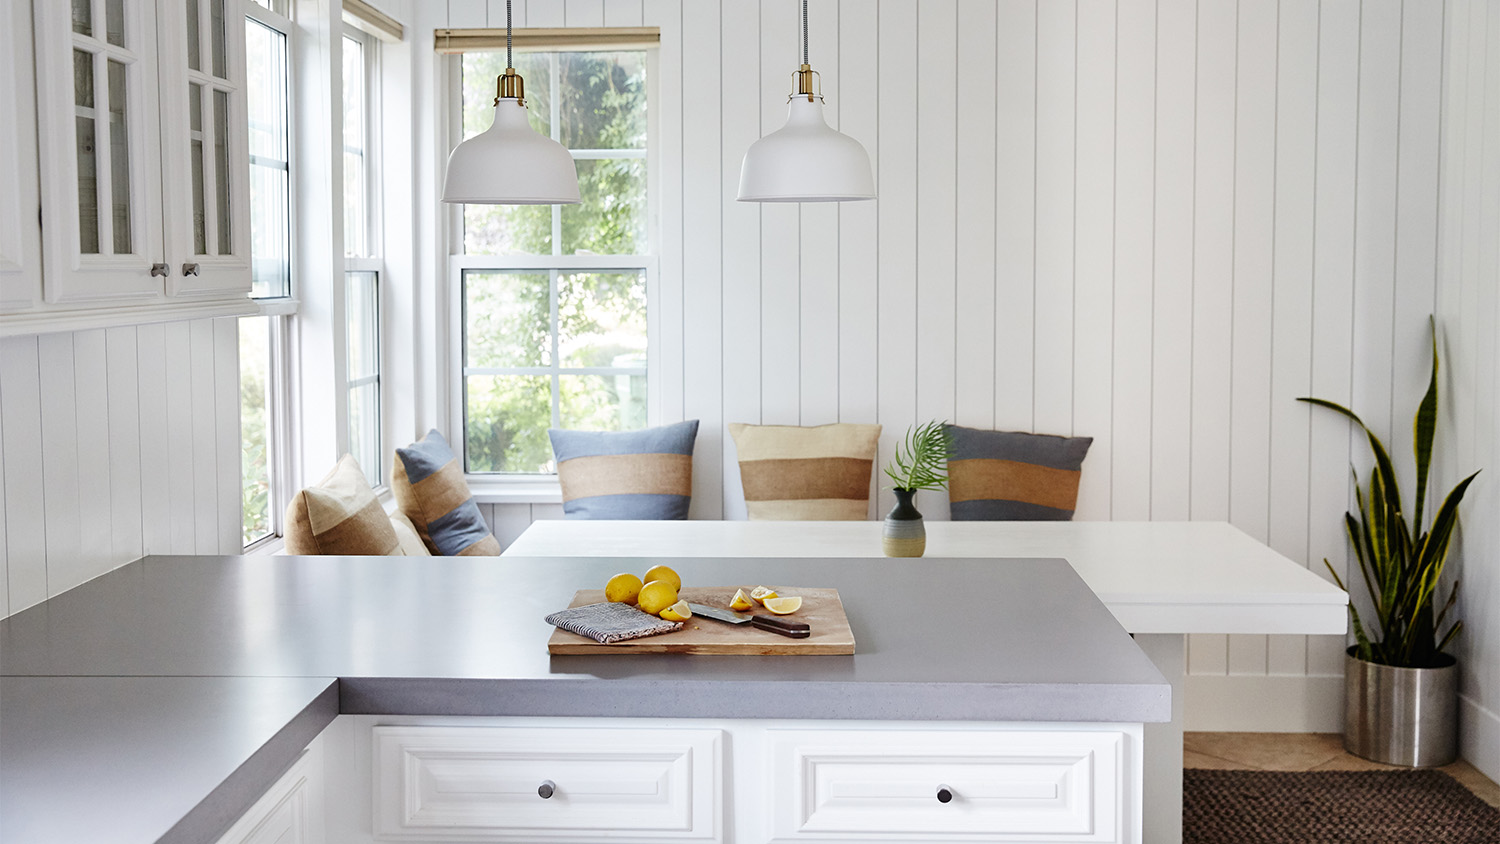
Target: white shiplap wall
{"x": 1469, "y": 313}
{"x": 1154, "y": 222}
{"x": 115, "y": 443}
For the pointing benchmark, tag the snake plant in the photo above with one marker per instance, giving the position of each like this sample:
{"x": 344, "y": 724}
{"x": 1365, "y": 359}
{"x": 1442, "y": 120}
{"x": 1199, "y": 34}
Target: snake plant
{"x": 921, "y": 462}
{"x": 1400, "y": 561}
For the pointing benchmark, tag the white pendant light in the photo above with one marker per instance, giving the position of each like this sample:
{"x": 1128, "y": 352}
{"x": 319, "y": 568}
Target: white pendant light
{"x": 509, "y": 163}
{"x": 805, "y": 160}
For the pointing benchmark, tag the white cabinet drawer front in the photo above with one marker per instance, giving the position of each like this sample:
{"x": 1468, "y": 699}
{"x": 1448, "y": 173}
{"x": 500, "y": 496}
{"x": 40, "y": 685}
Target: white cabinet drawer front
{"x": 1001, "y": 786}
{"x": 481, "y": 784}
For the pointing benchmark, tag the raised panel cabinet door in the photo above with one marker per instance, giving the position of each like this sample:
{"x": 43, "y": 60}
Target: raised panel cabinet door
{"x": 20, "y": 226}
{"x": 289, "y": 812}
{"x": 205, "y": 149}
{"x": 98, "y": 133}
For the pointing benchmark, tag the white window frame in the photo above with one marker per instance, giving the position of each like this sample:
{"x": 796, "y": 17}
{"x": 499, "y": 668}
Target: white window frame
{"x": 536, "y": 487}
{"x": 282, "y": 369}
{"x": 373, "y": 261}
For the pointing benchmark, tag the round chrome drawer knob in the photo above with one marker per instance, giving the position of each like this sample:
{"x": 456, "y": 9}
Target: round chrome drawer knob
{"x": 546, "y": 789}
{"x": 944, "y": 794}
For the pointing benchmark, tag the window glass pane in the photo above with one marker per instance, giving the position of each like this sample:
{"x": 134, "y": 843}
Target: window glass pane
{"x": 506, "y": 229}
{"x": 83, "y": 17}
{"x": 362, "y": 307}
{"x": 508, "y": 418}
{"x": 195, "y": 132}
{"x": 507, "y": 318}
{"x": 194, "y": 36}
{"x": 221, "y": 169}
{"x": 270, "y": 217}
{"x": 356, "y": 225}
{"x": 88, "y": 169}
{"x": 364, "y": 431}
{"x": 611, "y": 220}
{"x": 603, "y": 103}
{"x": 603, "y": 402}
{"x": 255, "y": 433}
{"x": 119, "y": 159}
{"x": 216, "y": 32}
{"x": 601, "y": 319}
{"x": 114, "y": 22}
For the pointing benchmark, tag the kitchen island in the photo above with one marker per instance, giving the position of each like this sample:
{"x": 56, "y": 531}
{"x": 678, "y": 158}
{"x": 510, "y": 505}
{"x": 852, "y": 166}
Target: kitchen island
{"x": 958, "y": 663}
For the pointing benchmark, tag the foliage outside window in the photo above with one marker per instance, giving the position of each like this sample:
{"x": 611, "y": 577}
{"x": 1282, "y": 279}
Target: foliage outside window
{"x": 554, "y": 297}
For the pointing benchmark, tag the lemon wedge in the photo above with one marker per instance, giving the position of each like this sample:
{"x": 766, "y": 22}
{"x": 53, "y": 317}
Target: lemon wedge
{"x": 761, "y": 593}
{"x": 783, "y": 606}
{"x": 741, "y": 601}
{"x": 657, "y": 596}
{"x": 623, "y": 588}
{"x": 677, "y": 612}
{"x": 664, "y": 574}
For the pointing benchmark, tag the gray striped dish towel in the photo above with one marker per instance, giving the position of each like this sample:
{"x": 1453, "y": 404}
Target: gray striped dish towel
{"x": 608, "y": 623}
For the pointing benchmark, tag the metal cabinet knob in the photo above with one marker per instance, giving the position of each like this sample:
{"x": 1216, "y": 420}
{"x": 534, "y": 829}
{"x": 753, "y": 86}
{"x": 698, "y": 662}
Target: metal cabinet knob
{"x": 944, "y": 794}
{"x": 159, "y": 270}
{"x": 189, "y": 269}
{"x": 547, "y": 789}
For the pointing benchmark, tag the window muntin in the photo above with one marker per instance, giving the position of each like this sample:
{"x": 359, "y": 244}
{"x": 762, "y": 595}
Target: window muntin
{"x": 552, "y": 336}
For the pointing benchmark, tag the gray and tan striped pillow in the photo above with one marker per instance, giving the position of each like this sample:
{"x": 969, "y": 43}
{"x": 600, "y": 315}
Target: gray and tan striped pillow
{"x": 1014, "y": 476}
{"x": 792, "y": 473}
{"x": 339, "y": 515}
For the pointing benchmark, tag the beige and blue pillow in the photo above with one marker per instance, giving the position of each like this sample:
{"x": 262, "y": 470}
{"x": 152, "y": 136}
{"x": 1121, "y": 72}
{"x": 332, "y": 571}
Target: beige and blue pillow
{"x": 646, "y": 474}
{"x": 428, "y": 483}
{"x": 339, "y": 515}
{"x": 819, "y": 473}
{"x": 1013, "y": 476}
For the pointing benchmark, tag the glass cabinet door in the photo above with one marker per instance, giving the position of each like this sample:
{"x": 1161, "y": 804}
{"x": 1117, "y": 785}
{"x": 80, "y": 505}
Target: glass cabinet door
{"x": 207, "y": 156}
{"x": 97, "y": 119}
{"x": 20, "y": 230}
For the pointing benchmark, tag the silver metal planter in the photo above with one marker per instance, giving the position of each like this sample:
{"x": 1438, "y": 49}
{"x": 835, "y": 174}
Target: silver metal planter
{"x": 1401, "y": 716}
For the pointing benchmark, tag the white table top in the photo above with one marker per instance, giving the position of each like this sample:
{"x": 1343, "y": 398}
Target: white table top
{"x": 1156, "y": 577}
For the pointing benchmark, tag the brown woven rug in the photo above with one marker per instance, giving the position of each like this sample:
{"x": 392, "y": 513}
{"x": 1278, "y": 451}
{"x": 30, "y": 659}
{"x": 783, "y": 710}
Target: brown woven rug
{"x": 1333, "y": 807}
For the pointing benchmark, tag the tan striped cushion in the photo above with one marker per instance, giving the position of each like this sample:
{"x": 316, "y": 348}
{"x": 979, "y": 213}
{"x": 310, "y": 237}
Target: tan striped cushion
{"x": 340, "y": 515}
{"x": 806, "y": 474}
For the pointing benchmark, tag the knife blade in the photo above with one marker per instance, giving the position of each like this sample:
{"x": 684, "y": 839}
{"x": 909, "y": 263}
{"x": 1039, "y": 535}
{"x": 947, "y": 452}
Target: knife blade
{"x": 793, "y": 629}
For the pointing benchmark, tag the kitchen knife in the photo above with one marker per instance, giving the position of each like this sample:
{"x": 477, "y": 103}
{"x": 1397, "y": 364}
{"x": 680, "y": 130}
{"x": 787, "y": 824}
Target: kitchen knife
{"x": 794, "y": 629}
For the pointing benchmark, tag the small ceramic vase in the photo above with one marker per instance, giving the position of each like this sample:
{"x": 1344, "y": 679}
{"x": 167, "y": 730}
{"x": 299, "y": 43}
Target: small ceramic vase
{"x": 904, "y": 535}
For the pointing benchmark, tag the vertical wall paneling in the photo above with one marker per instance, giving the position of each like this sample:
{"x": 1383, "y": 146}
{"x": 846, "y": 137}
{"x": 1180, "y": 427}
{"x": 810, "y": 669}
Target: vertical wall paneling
{"x": 896, "y": 179}
{"x": 124, "y": 444}
{"x": 975, "y": 272}
{"x": 1015, "y": 213}
{"x": 91, "y": 394}
{"x": 1291, "y": 299}
{"x": 1172, "y": 292}
{"x": 4, "y": 517}
{"x": 60, "y": 478}
{"x": 1134, "y": 222}
{"x": 1094, "y": 252}
{"x": 156, "y": 466}
{"x": 180, "y": 429}
{"x": 858, "y": 113}
{"x": 666, "y": 380}
{"x": 25, "y": 510}
{"x": 622, "y": 12}
{"x": 1056, "y": 137}
{"x": 226, "y": 396}
{"x": 780, "y": 236}
{"x": 583, "y": 13}
{"x": 702, "y": 266}
{"x": 818, "y": 259}
{"x": 205, "y": 442}
{"x": 547, "y": 13}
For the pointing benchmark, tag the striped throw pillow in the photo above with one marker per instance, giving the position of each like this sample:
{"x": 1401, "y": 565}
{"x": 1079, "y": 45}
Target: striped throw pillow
{"x": 1010, "y": 476}
{"x": 820, "y": 473}
{"x": 645, "y": 474}
{"x": 340, "y": 515}
{"x": 429, "y": 486}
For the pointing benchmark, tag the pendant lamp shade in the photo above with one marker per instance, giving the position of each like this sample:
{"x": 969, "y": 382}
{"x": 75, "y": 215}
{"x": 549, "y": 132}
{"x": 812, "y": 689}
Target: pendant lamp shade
{"x": 806, "y": 161}
{"x": 510, "y": 164}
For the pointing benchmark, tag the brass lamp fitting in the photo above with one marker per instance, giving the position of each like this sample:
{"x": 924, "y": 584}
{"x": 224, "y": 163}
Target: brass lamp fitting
{"x": 805, "y": 82}
{"x": 510, "y": 86}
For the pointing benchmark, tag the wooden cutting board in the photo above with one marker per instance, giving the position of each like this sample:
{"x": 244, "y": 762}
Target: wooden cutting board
{"x": 821, "y": 610}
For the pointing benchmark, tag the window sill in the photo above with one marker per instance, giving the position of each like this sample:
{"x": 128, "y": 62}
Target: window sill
{"x": 492, "y": 491}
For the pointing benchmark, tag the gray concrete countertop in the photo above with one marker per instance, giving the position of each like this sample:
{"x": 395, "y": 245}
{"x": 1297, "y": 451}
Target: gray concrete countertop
{"x": 96, "y": 675}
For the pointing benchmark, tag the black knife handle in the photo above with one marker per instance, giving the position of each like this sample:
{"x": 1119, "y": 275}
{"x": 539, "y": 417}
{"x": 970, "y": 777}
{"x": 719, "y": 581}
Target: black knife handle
{"x": 794, "y": 629}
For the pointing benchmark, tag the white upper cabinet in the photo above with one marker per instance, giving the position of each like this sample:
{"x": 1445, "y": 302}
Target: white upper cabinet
{"x": 20, "y": 222}
{"x": 143, "y": 159}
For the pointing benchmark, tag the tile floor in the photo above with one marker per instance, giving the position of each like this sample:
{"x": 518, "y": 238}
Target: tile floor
{"x": 1304, "y": 752}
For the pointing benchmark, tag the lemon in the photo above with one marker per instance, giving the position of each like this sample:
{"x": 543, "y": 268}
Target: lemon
{"x": 664, "y": 574}
{"x": 741, "y": 601}
{"x": 623, "y": 588}
{"x": 656, "y": 596}
{"x": 679, "y": 611}
{"x": 761, "y": 593}
{"x": 783, "y": 606}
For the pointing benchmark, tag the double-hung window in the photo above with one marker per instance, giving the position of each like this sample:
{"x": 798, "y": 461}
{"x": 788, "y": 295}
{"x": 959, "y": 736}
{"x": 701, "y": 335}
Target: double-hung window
{"x": 265, "y": 385}
{"x": 362, "y": 266}
{"x": 551, "y": 322}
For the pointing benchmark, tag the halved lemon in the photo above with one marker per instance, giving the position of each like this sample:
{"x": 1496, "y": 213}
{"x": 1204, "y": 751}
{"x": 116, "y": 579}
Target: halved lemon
{"x": 677, "y": 612}
{"x": 783, "y": 606}
{"x": 741, "y": 601}
{"x": 761, "y": 593}
{"x": 666, "y": 574}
